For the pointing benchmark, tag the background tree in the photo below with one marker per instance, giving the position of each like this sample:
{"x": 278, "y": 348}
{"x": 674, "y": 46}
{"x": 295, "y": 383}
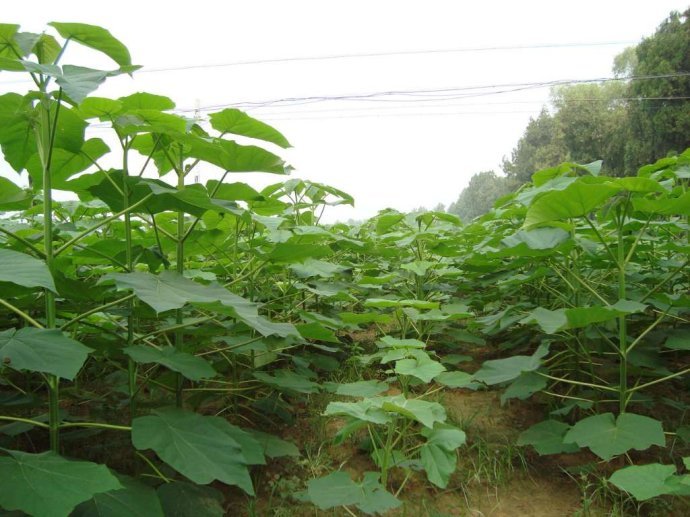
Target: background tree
{"x": 540, "y": 146}
{"x": 660, "y": 122}
{"x": 479, "y": 196}
{"x": 592, "y": 120}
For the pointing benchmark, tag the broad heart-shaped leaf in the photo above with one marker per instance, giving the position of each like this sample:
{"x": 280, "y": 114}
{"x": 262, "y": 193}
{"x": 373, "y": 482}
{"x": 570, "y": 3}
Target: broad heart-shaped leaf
{"x": 237, "y": 122}
{"x": 644, "y": 481}
{"x": 134, "y": 499}
{"x": 439, "y": 463}
{"x": 547, "y": 438}
{"x": 502, "y": 370}
{"x": 42, "y": 350}
{"x": 202, "y": 448}
{"x": 578, "y": 199}
{"x": 66, "y": 163}
{"x": 192, "y": 367}
{"x": 25, "y": 270}
{"x": 170, "y": 290}
{"x": 337, "y": 489}
{"x": 48, "y": 485}
{"x": 537, "y": 239}
{"x": 181, "y": 499}
{"x": 96, "y": 38}
{"x": 78, "y": 82}
{"x": 607, "y": 437}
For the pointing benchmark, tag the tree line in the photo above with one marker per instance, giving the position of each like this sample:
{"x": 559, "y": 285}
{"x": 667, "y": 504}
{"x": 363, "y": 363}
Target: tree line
{"x": 640, "y": 116}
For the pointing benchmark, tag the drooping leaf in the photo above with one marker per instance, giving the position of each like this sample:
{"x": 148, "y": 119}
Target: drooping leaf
{"x": 423, "y": 411}
{"x": 199, "y": 447}
{"x": 524, "y": 386}
{"x": 607, "y": 436}
{"x": 48, "y": 485}
{"x": 497, "y": 371}
{"x": 25, "y": 270}
{"x": 368, "y": 410}
{"x": 192, "y": 367}
{"x": 288, "y": 380}
{"x": 439, "y": 463}
{"x": 13, "y": 197}
{"x": 42, "y": 350}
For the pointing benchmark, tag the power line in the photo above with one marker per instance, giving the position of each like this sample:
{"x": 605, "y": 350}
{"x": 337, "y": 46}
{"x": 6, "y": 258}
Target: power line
{"x": 328, "y": 57}
{"x": 365, "y": 55}
{"x": 447, "y": 93}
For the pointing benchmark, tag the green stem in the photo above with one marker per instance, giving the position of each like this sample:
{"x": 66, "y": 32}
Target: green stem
{"x": 622, "y": 323}
{"x": 26, "y": 243}
{"x": 103, "y": 222}
{"x": 100, "y": 308}
{"x": 21, "y": 313}
{"x": 24, "y": 421}
{"x": 98, "y": 425}
{"x": 179, "y": 315}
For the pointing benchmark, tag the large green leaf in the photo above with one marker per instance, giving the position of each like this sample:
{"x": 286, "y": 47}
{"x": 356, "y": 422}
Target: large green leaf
{"x": 24, "y": 270}
{"x": 133, "y": 500}
{"x": 607, "y": 437}
{"x": 96, "y": 38}
{"x": 577, "y": 200}
{"x": 201, "y": 448}
{"x": 192, "y": 367}
{"x": 579, "y": 317}
{"x": 42, "y": 350}
{"x": 180, "y": 499}
{"x": 644, "y": 481}
{"x": 367, "y": 410}
{"x": 237, "y": 122}
{"x": 169, "y": 290}
{"x": 48, "y": 485}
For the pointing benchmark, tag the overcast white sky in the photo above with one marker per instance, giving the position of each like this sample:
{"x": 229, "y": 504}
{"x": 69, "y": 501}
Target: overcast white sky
{"x": 386, "y": 153}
